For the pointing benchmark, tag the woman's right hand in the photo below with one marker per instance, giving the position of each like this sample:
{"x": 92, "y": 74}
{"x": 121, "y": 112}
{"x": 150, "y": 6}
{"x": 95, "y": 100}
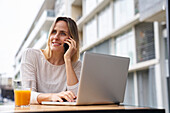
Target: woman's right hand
{"x": 65, "y": 95}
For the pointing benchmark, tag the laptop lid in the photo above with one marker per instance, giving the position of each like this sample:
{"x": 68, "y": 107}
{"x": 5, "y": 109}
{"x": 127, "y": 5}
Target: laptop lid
{"x": 103, "y": 79}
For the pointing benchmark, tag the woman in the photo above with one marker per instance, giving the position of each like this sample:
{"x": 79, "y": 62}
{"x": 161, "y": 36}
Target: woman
{"x": 54, "y": 72}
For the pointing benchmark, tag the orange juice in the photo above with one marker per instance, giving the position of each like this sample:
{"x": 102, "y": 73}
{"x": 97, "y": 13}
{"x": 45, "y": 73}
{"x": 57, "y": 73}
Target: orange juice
{"x": 22, "y": 97}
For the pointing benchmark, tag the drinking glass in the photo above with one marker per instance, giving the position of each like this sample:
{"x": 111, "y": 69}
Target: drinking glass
{"x": 22, "y": 93}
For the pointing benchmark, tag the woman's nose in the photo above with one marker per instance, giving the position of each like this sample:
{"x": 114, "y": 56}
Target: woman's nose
{"x": 56, "y": 36}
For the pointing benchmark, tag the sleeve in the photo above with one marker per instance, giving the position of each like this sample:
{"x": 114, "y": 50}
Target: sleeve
{"x": 34, "y": 96}
{"x": 28, "y": 72}
{"x": 77, "y": 69}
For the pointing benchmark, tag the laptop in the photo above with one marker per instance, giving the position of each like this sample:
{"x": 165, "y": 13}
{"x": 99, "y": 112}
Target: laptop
{"x": 102, "y": 80}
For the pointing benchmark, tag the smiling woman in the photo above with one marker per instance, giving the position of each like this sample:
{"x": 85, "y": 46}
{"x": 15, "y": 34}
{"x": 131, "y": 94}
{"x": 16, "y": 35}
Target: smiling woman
{"x": 64, "y": 29}
{"x": 55, "y": 73}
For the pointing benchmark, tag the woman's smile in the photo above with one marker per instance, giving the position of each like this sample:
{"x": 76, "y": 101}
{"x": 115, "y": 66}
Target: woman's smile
{"x": 54, "y": 43}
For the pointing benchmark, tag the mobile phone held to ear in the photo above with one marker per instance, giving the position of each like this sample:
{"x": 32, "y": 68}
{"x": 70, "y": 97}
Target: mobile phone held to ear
{"x": 66, "y": 46}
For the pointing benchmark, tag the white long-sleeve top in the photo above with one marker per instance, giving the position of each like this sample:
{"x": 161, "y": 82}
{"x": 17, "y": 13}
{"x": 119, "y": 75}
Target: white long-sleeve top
{"x": 46, "y": 77}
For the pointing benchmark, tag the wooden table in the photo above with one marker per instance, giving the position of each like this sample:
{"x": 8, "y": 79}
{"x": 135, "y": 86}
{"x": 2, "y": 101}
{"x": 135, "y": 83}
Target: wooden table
{"x": 82, "y": 109}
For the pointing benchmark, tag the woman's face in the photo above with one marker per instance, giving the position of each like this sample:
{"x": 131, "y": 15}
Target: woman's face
{"x": 58, "y": 35}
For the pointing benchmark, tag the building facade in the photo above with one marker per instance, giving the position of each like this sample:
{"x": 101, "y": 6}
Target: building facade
{"x": 130, "y": 28}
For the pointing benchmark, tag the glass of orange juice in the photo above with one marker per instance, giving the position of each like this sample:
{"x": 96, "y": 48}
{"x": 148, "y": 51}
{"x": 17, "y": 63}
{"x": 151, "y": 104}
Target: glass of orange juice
{"x": 22, "y": 94}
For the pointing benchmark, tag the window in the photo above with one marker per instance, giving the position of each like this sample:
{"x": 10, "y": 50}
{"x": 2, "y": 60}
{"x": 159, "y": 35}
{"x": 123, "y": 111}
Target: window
{"x": 125, "y": 44}
{"x": 17, "y": 76}
{"x": 59, "y": 7}
{"x": 165, "y": 46}
{"x": 145, "y": 42}
{"x": 129, "y": 98}
{"x": 90, "y": 32}
{"x": 136, "y": 6}
{"x": 165, "y": 43}
{"x": 89, "y": 6}
{"x": 19, "y": 61}
{"x": 104, "y": 22}
{"x": 123, "y": 11}
{"x": 103, "y": 48}
{"x": 146, "y": 87}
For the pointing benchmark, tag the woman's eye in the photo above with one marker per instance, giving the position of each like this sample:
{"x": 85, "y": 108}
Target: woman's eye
{"x": 63, "y": 34}
{"x": 53, "y": 32}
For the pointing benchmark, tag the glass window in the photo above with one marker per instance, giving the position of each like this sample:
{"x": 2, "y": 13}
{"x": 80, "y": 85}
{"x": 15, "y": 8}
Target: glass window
{"x": 17, "y": 76}
{"x": 59, "y": 7}
{"x": 81, "y": 57}
{"x": 89, "y": 6}
{"x": 104, "y": 23}
{"x": 165, "y": 41}
{"x": 129, "y": 98}
{"x": 19, "y": 60}
{"x": 145, "y": 41}
{"x": 103, "y": 48}
{"x": 125, "y": 44}
{"x": 93, "y": 50}
{"x": 136, "y": 6}
{"x": 166, "y": 48}
{"x": 90, "y": 32}
{"x": 165, "y": 44}
{"x": 123, "y": 11}
{"x": 146, "y": 87}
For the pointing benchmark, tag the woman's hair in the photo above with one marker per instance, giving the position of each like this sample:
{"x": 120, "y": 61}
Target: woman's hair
{"x": 73, "y": 31}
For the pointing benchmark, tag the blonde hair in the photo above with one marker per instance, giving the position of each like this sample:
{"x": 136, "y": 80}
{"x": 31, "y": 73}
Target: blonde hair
{"x": 73, "y": 31}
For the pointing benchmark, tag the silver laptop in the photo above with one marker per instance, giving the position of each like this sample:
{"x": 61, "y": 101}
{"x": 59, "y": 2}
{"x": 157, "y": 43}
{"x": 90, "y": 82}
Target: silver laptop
{"x": 102, "y": 80}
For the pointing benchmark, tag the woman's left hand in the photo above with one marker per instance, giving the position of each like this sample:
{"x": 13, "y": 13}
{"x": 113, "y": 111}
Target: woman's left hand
{"x": 71, "y": 50}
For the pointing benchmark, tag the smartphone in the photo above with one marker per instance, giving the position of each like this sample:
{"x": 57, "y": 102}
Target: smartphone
{"x": 66, "y": 46}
